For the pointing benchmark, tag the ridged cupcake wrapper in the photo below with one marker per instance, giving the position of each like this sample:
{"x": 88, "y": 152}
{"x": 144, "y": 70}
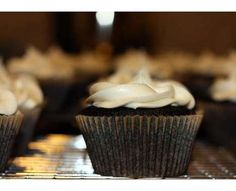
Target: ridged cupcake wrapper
{"x": 26, "y": 131}
{"x": 9, "y": 128}
{"x": 139, "y": 146}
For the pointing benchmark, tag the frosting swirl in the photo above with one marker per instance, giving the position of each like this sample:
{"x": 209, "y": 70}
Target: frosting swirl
{"x": 140, "y": 92}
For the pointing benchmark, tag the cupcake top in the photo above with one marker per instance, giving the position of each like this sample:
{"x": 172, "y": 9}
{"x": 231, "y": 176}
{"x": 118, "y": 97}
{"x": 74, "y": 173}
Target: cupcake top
{"x": 5, "y": 80}
{"x": 92, "y": 63}
{"x": 25, "y": 88}
{"x": 210, "y": 64}
{"x": 53, "y": 65}
{"x": 140, "y": 92}
{"x": 61, "y": 63}
{"x": 8, "y": 101}
{"x": 132, "y": 60}
{"x": 28, "y": 92}
{"x": 224, "y": 89}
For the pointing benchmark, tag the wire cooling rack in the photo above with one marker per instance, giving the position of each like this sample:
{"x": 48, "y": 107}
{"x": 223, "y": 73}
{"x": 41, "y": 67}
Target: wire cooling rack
{"x": 65, "y": 157}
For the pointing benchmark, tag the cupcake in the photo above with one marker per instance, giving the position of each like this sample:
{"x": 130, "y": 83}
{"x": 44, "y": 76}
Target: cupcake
{"x": 54, "y": 71}
{"x": 219, "y": 121}
{"x": 30, "y": 102}
{"x": 93, "y": 64}
{"x": 10, "y": 122}
{"x": 202, "y": 72}
{"x": 142, "y": 128}
{"x": 173, "y": 64}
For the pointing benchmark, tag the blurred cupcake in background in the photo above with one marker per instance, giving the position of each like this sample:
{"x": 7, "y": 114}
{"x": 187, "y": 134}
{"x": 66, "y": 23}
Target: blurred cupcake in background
{"x": 175, "y": 64}
{"x": 90, "y": 66}
{"x": 132, "y": 61}
{"x": 54, "y": 73}
{"x": 10, "y": 120}
{"x": 63, "y": 78}
{"x": 219, "y": 122}
{"x": 203, "y": 71}
{"x": 30, "y": 102}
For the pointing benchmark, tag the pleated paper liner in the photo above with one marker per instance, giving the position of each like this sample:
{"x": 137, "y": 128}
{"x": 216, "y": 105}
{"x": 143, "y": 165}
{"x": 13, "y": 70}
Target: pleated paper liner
{"x": 26, "y": 131}
{"x": 9, "y": 128}
{"x": 140, "y": 146}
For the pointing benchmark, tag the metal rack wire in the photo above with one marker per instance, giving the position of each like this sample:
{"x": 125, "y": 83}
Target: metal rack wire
{"x": 65, "y": 157}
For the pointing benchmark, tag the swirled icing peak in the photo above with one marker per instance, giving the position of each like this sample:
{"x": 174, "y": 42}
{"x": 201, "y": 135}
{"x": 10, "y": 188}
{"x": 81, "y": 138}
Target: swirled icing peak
{"x": 140, "y": 92}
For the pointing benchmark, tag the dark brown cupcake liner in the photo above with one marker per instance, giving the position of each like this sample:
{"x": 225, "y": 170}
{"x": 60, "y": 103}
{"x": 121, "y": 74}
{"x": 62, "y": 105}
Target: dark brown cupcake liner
{"x": 9, "y": 128}
{"x": 26, "y": 131}
{"x": 139, "y": 146}
{"x": 219, "y": 123}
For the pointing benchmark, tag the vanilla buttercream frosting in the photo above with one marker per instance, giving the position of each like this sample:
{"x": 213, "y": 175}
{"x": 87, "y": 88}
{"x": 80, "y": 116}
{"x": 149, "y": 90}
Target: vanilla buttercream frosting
{"x": 140, "y": 92}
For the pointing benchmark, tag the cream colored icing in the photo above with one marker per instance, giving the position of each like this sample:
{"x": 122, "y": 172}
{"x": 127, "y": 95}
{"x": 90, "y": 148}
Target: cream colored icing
{"x": 28, "y": 92}
{"x": 140, "y": 92}
{"x": 24, "y": 87}
{"x": 5, "y": 79}
{"x": 132, "y": 61}
{"x": 224, "y": 89}
{"x": 53, "y": 65}
{"x": 8, "y": 102}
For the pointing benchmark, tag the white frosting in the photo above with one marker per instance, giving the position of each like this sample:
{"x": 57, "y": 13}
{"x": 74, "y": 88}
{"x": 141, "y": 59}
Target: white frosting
{"x": 132, "y": 61}
{"x": 128, "y": 65}
{"x": 28, "y": 92}
{"x": 8, "y": 102}
{"x": 224, "y": 89}
{"x": 5, "y": 80}
{"x": 53, "y": 65}
{"x": 141, "y": 92}
{"x": 25, "y": 88}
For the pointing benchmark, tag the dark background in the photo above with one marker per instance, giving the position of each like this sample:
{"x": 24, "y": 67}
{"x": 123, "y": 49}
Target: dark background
{"x": 156, "y": 32}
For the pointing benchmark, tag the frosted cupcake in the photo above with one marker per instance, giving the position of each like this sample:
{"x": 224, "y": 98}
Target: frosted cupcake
{"x": 54, "y": 71}
{"x": 10, "y": 122}
{"x": 203, "y": 71}
{"x": 30, "y": 102}
{"x": 219, "y": 121}
{"x": 142, "y": 128}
